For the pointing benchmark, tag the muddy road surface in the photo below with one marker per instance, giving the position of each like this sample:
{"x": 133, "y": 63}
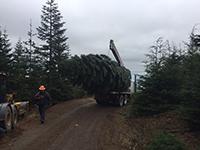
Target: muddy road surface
{"x": 73, "y": 125}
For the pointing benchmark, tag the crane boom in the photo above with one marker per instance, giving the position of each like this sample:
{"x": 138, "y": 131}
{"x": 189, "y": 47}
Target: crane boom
{"x": 116, "y": 53}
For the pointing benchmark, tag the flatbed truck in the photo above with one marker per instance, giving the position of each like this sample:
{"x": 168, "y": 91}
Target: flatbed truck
{"x": 114, "y": 97}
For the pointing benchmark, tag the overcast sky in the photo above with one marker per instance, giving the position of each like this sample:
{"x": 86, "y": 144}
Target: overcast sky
{"x": 134, "y": 25}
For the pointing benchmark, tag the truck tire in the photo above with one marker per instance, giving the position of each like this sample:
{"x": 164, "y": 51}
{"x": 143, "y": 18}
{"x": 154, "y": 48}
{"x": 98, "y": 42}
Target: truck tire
{"x": 14, "y": 118}
{"x": 121, "y": 101}
{"x": 99, "y": 100}
{"x": 7, "y": 122}
{"x": 125, "y": 99}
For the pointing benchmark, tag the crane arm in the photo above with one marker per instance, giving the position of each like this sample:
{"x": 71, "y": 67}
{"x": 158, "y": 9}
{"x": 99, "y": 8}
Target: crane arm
{"x": 116, "y": 53}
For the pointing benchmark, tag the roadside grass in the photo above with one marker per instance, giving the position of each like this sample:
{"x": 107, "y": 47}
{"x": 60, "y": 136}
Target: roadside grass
{"x": 143, "y": 129}
{"x": 165, "y": 141}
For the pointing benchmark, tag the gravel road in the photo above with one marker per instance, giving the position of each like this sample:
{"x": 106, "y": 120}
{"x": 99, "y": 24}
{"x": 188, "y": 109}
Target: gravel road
{"x": 73, "y": 125}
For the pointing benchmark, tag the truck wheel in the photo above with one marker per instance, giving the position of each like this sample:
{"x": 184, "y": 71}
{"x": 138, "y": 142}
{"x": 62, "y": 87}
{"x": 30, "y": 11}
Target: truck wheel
{"x": 98, "y": 102}
{"x": 125, "y": 100}
{"x": 7, "y": 122}
{"x": 121, "y": 101}
{"x": 15, "y": 118}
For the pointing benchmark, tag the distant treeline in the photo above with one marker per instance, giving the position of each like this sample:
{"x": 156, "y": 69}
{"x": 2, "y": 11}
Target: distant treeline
{"x": 30, "y": 64}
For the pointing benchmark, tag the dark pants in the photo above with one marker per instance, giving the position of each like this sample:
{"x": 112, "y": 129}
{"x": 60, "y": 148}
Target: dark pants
{"x": 42, "y": 112}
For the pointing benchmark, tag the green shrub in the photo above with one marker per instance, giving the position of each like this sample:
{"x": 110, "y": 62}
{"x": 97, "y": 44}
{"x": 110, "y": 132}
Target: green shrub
{"x": 191, "y": 114}
{"x": 78, "y": 92}
{"x": 130, "y": 110}
{"x": 147, "y": 105}
{"x": 190, "y": 106}
{"x": 165, "y": 141}
{"x": 159, "y": 87}
{"x": 66, "y": 91}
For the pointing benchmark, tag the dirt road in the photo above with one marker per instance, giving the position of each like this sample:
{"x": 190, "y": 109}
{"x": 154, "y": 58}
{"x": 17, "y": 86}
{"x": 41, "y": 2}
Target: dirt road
{"x": 73, "y": 125}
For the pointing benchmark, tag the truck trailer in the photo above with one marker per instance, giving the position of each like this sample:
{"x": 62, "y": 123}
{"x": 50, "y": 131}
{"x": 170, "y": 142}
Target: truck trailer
{"x": 99, "y": 75}
{"x": 119, "y": 98}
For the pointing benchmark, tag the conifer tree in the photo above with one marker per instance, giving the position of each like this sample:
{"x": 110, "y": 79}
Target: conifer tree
{"x": 5, "y": 52}
{"x": 19, "y": 63}
{"x": 35, "y": 72}
{"x": 52, "y": 33}
{"x": 17, "y": 77}
{"x": 30, "y": 47}
{"x": 194, "y": 43}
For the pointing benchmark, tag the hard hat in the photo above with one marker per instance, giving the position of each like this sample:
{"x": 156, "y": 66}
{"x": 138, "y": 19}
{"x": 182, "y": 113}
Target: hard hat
{"x": 42, "y": 88}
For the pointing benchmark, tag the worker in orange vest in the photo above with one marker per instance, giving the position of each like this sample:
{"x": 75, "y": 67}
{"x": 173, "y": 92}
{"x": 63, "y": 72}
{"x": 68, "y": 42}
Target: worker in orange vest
{"x": 42, "y": 99}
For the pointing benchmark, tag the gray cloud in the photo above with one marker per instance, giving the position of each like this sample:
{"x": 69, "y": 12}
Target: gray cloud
{"x": 133, "y": 24}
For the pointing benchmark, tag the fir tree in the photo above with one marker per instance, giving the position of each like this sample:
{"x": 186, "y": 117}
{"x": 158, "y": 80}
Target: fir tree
{"x": 17, "y": 76}
{"x": 5, "y": 52}
{"x": 161, "y": 85}
{"x": 35, "y": 71}
{"x": 19, "y": 60}
{"x": 30, "y": 47}
{"x": 194, "y": 44}
{"x": 52, "y": 32}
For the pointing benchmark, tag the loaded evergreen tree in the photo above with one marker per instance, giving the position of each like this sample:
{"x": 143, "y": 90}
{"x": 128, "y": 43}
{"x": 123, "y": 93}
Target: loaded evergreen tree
{"x": 5, "y": 53}
{"x": 97, "y": 74}
{"x": 52, "y": 33}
